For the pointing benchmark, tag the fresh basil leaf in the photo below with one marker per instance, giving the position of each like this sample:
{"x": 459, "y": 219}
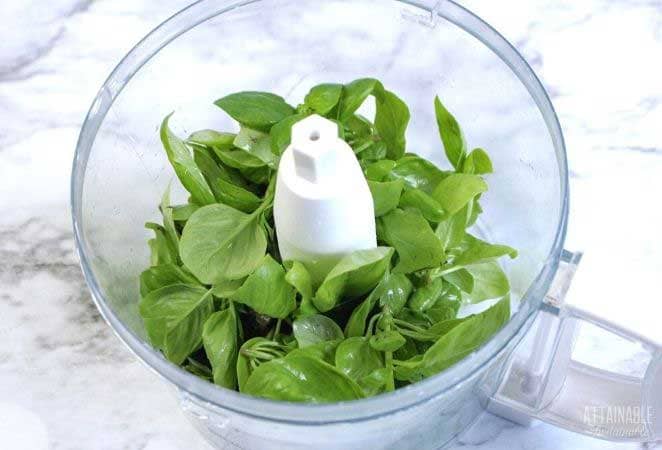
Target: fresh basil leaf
{"x": 162, "y": 249}
{"x": 427, "y": 295}
{"x": 257, "y": 144}
{"x": 315, "y": 328}
{"x": 358, "y": 360}
{"x": 387, "y": 341}
{"x": 354, "y": 275}
{"x": 225, "y": 288}
{"x": 266, "y": 291}
{"x": 452, "y": 230}
{"x": 324, "y": 97}
{"x": 490, "y": 282}
{"x": 220, "y": 242}
{"x": 413, "y": 239}
{"x": 418, "y": 173}
{"x": 301, "y": 378}
{"x": 374, "y": 152}
{"x": 169, "y": 222}
{"x": 164, "y": 275}
{"x": 465, "y": 338}
{"x": 187, "y": 171}
{"x": 479, "y": 251}
{"x": 182, "y": 213}
{"x": 451, "y": 135}
{"x": 220, "y": 337}
{"x": 457, "y": 190}
{"x": 447, "y": 304}
{"x": 211, "y": 138}
{"x": 358, "y": 126}
{"x": 222, "y": 183}
{"x": 197, "y": 369}
{"x": 322, "y": 350}
{"x": 396, "y": 291}
{"x": 461, "y": 278}
{"x": 245, "y": 365}
{"x": 378, "y": 170}
{"x": 423, "y": 203}
{"x": 258, "y": 110}
{"x": 239, "y": 159}
{"x": 298, "y": 277}
{"x": 353, "y": 96}
{"x": 385, "y": 195}
{"x": 174, "y": 317}
{"x": 281, "y": 134}
{"x": 357, "y": 321}
{"x": 477, "y": 162}
{"x": 391, "y": 120}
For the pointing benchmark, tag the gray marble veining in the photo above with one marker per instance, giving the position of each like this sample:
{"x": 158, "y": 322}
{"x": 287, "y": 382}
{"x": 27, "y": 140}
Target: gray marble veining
{"x": 67, "y": 383}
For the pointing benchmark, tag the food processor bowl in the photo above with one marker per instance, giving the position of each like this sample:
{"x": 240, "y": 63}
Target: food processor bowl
{"x": 418, "y": 49}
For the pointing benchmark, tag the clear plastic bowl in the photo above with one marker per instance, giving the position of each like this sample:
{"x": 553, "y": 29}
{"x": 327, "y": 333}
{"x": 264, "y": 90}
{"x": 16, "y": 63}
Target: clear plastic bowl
{"x": 418, "y": 49}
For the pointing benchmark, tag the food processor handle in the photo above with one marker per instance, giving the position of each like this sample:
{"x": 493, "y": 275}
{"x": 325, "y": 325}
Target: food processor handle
{"x": 555, "y": 373}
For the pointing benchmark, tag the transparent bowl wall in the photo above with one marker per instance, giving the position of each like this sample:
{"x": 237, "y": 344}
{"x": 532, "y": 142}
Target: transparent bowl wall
{"x": 217, "y": 47}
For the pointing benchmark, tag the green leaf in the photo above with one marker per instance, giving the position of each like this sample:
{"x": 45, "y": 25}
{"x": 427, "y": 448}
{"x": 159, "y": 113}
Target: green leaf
{"x": 385, "y": 195}
{"x": 353, "y": 96}
{"x": 162, "y": 249}
{"x": 477, "y": 162}
{"x": 461, "y": 278}
{"x": 479, "y": 251}
{"x": 490, "y": 282}
{"x": 447, "y": 304}
{"x": 413, "y": 239}
{"x": 451, "y": 135}
{"x": 298, "y": 277}
{"x": 225, "y": 288}
{"x": 358, "y": 360}
{"x": 301, "y": 378}
{"x": 222, "y": 183}
{"x": 258, "y": 110}
{"x": 164, "y": 275}
{"x": 182, "y": 213}
{"x": 281, "y": 134}
{"x": 378, "y": 170}
{"x": 357, "y": 321}
{"x": 427, "y": 295}
{"x": 322, "y": 350}
{"x": 316, "y": 328}
{"x": 257, "y": 144}
{"x": 451, "y": 231}
{"x": 324, "y": 97}
{"x": 465, "y": 338}
{"x": 220, "y": 337}
{"x": 174, "y": 317}
{"x": 244, "y": 366}
{"x": 387, "y": 341}
{"x": 354, "y": 275}
{"x": 391, "y": 120}
{"x": 187, "y": 171}
{"x": 211, "y": 138}
{"x": 420, "y": 201}
{"x": 169, "y": 222}
{"x": 457, "y": 190}
{"x": 396, "y": 291}
{"x": 266, "y": 291}
{"x": 239, "y": 159}
{"x": 220, "y": 242}
{"x": 418, "y": 173}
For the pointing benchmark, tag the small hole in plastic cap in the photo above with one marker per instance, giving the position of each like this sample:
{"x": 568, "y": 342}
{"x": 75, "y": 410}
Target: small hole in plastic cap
{"x": 314, "y": 136}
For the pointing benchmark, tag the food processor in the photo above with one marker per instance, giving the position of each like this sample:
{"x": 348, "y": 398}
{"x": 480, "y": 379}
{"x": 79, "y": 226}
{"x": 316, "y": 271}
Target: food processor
{"x": 419, "y": 49}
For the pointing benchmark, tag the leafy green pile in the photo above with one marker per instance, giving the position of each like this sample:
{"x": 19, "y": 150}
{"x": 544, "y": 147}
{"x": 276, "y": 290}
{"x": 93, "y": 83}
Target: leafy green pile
{"x": 218, "y": 300}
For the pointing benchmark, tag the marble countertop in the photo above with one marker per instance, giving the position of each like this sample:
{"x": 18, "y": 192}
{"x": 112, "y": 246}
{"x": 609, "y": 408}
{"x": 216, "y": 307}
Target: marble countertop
{"x": 66, "y": 382}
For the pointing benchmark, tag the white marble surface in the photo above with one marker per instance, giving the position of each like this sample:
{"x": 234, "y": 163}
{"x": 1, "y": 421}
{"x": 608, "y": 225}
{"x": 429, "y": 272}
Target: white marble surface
{"x": 67, "y": 383}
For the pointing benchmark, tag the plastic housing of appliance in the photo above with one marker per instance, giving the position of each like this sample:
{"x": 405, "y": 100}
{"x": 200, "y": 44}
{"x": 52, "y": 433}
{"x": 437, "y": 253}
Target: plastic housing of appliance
{"x": 323, "y": 208}
{"x": 419, "y": 49}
